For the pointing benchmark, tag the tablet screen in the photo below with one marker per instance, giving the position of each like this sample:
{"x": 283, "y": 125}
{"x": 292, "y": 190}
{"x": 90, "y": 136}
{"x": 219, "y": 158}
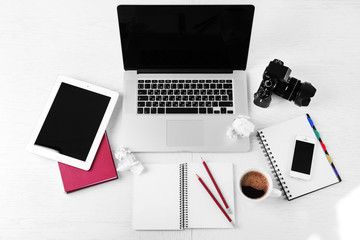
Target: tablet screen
{"x": 73, "y": 120}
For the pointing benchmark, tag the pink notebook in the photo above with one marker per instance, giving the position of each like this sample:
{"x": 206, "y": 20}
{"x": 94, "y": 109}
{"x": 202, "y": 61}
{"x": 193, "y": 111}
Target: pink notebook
{"x": 102, "y": 170}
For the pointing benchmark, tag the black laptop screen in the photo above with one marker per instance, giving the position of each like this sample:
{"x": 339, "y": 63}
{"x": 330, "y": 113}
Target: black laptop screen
{"x": 185, "y": 36}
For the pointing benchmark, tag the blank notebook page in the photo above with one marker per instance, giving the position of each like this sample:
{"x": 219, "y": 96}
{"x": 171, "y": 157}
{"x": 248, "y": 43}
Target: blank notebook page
{"x": 281, "y": 140}
{"x": 156, "y": 198}
{"x": 202, "y": 210}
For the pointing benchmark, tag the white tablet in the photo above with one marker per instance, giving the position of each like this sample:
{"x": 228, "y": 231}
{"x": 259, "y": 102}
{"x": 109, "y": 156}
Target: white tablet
{"x": 73, "y": 122}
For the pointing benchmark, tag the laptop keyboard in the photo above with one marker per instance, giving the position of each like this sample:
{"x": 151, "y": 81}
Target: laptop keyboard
{"x": 195, "y": 96}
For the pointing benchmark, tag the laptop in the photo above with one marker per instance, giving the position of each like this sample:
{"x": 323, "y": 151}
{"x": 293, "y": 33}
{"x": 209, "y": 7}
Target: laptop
{"x": 184, "y": 78}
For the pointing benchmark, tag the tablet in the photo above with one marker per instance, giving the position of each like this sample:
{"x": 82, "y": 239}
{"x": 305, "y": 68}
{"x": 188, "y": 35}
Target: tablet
{"x": 73, "y": 122}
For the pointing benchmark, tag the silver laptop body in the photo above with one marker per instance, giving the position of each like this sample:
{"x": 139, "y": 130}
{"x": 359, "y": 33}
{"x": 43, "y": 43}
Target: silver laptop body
{"x": 177, "y": 108}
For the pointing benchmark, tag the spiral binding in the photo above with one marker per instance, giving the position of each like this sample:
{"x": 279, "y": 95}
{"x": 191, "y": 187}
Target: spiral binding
{"x": 183, "y": 196}
{"x": 273, "y": 165}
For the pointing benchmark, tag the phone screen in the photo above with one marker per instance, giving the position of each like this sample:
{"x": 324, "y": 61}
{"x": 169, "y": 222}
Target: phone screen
{"x": 302, "y": 157}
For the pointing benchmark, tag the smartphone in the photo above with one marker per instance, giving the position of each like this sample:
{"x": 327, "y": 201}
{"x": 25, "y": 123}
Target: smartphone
{"x": 303, "y": 158}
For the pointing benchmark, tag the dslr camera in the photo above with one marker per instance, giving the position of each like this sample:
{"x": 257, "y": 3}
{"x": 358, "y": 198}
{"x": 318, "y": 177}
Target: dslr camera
{"x": 276, "y": 79}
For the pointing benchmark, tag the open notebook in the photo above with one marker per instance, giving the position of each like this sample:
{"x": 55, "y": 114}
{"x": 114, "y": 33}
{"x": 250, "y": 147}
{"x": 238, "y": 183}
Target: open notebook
{"x": 278, "y": 143}
{"x": 170, "y": 197}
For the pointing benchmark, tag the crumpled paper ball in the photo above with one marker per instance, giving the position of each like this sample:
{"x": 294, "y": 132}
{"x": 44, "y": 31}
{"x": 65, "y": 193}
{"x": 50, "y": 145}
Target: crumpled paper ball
{"x": 240, "y": 127}
{"x": 127, "y": 161}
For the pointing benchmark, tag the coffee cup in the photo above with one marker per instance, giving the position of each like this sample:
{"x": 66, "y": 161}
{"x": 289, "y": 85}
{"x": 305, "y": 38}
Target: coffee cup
{"x": 256, "y": 185}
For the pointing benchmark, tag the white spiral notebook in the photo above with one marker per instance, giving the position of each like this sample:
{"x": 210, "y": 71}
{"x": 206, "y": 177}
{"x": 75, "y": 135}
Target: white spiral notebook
{"x": 278, "y": 144}
{"x": 170, "y": 197}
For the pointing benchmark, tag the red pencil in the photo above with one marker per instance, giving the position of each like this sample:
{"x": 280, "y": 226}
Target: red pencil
{"x": 217, "y": 203}
{"x": 216, "y": 186}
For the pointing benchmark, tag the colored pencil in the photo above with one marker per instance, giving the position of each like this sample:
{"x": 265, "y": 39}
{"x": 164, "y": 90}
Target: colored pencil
{"x": 217, "y": 203}
{"x": 216, "y": 186}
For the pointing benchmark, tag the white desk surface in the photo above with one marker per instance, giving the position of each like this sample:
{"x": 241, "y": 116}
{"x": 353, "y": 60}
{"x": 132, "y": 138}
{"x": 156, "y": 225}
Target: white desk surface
{"x": 40, "y": 39}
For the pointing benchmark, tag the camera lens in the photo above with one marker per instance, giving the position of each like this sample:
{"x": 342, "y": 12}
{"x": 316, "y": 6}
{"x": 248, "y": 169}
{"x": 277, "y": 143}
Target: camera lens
{"x": 304, "y": 95}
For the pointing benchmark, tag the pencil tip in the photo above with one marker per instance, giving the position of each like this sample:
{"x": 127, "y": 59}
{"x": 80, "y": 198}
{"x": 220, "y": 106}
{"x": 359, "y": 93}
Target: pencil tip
{"x": 197, "y": 176}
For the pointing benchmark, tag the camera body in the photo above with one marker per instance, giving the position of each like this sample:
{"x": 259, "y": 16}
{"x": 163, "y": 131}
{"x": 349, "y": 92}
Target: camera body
{"x": 276, "y": 79}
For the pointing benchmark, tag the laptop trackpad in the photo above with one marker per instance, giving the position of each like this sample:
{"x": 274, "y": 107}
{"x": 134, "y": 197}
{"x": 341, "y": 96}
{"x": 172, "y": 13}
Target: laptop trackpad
{"x": 185, "y": 133}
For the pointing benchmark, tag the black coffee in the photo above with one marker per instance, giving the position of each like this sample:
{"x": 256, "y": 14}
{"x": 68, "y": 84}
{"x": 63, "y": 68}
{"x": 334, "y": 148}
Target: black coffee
{"x": 254, "y": 185}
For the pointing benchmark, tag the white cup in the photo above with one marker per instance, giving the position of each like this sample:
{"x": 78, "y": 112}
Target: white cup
{"x": 271, "y": 192}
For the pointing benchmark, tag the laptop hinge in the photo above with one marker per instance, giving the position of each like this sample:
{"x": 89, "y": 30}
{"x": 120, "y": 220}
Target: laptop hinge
{"x": 184, "y": 71}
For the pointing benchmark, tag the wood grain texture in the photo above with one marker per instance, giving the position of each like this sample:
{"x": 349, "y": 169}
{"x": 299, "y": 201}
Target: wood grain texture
{"x": 39, "y": 40}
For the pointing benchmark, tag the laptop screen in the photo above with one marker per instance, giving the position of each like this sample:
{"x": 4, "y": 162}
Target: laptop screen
{"x": 185, "y": 37}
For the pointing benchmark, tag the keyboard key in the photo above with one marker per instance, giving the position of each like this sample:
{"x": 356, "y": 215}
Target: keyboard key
{"x": 161, "y": 81}
{"x": 153, "y": 110}
{"x": 208, "y": 104}
{"x": 157, "y": 92}
{"x": 173, "y": 86}
{"x": 161, "y": 104}
{"x": 217, "y": 112}
{"x": 211, "y": 98}
{"x": 163, "y": 92}
{"x": 161, "y": 110}
{"x": 181, "y": 104}
{"x": 180, "y": 86}
{"x": 212, "y": 86}
{"x": 168, "y": 104}
{"x": 181, "y": 81}
{"x": 167, "y": 86}
{"x": 195, "y": 104}
{"x": 217, "y": 97}
{"x": 201, "y": 81}
{"x": 215, "y": 104}
{"x": 224, "y": 98}
{"x": 222, "y": 81}
{"x": 208, "y": 81}
{"x": 142, "y": 92}
{"x": 230, "y": 111}
{"x": 148, "y": 104}
{"x": 222, "y": 92}
{"x": 146, "y": 110}
{"x": 174, "y": 81}
{"x": 199, "y": 86}
{"x": 186, "y": 86}
{"x": 141, "y": 81}
{"x": 191, "y": 98}
{"x": 182, "y": 110}
{"x": 196, "y": 92}
{"x": 140, "y": 110}
{"x": 141, "y": 86}
{"x": 147, "y": 81}
{"x": 206, "y": 86}
{"x": 190, "y": 92}
{"x": 155, "y": 104}
{"x": 195, "y": 81}
{"x": 183, "y": 92}
{"x": 209, "y": 110}
{"x": 154, "y": 81}
{"x": 170, "y": 92}
{"x": 219, "y": 85}
{"x": 215, "y": 81}
{"x": 188, "y": 81}
{"x": 151, "y": 98}
{"x": 227, "y": 85}
{"x": 225, "y": 104}
{"x": 141, "y": 104}
{"x": 143, "y": 98}
{"x": 175, "y": 104}
{"x": 228, "y": 81}
{"x": 153, "y": 86}
{"x": 185, "y": 98}
{"x": 223, "y": 110}
{"x": 188, "y": 104}
{"x": 147, "y": 86}
{"x": 160, "y": 86}
{"x": 167, "y": 81}
{"x": 178, "y": 98}
{"x": 193, "y": 86}
{"x": 202, "y": 110}
{"x": 198, "y": 98}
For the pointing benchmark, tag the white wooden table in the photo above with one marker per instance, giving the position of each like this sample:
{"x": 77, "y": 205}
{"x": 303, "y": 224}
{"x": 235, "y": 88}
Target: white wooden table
{"x": 40, "y": 39}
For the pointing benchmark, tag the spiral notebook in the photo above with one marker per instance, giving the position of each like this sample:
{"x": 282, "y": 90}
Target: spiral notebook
{"x": 170, "y": 197}
{"x": 278, "y": 144}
